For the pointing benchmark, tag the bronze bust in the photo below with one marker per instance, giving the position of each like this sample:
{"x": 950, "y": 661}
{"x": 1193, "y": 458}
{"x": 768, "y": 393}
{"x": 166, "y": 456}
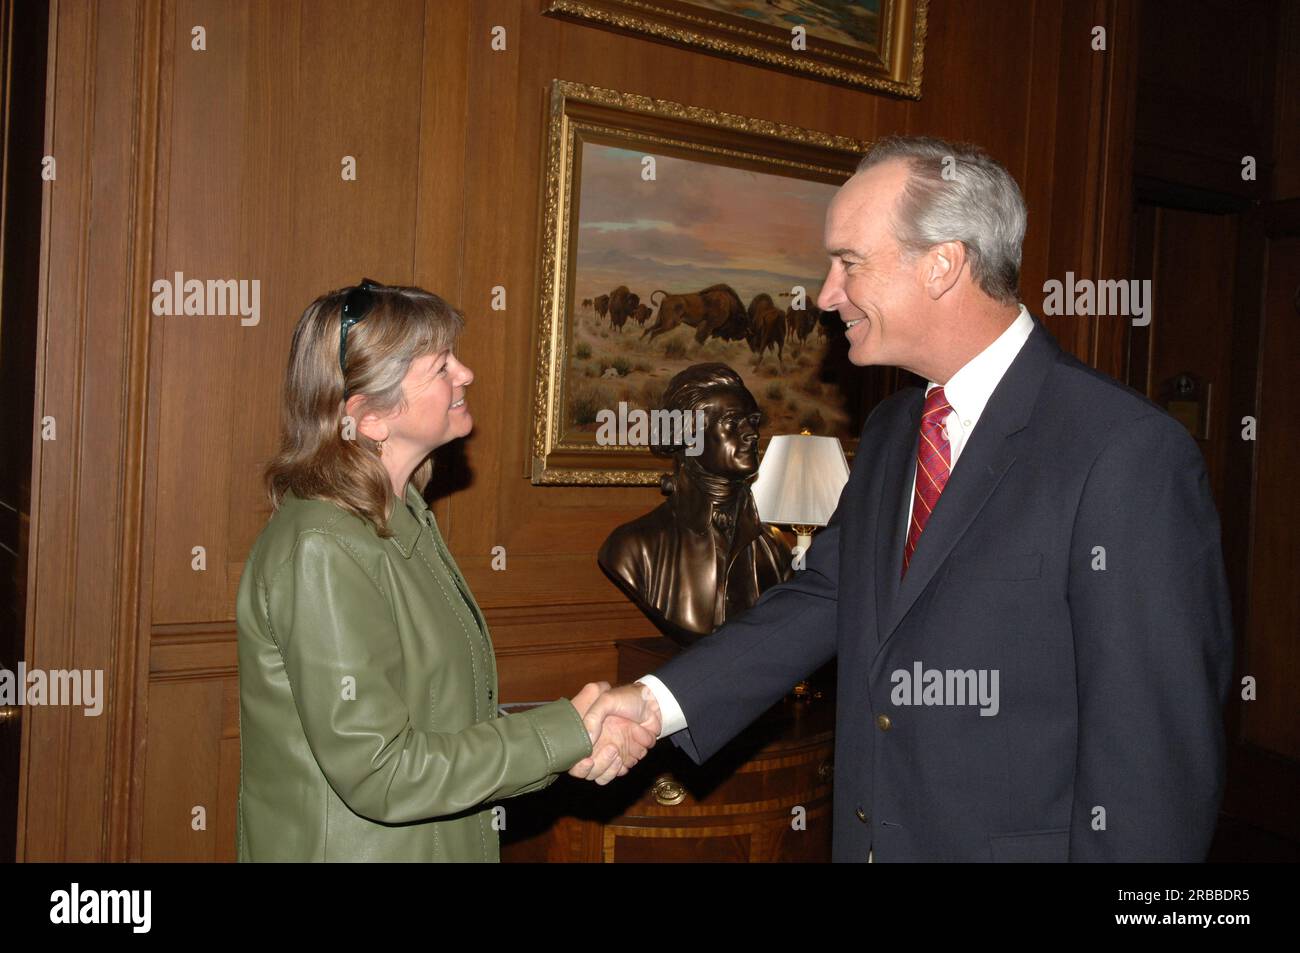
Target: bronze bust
{"x": 702, "y": 556}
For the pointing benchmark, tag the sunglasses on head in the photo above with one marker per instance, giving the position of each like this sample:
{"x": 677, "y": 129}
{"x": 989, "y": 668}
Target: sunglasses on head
{"x": 355, "y": 307}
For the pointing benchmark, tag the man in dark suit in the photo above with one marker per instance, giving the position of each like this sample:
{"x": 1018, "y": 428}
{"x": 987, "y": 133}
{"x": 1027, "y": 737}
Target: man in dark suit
{"x": 1023, "y": 581}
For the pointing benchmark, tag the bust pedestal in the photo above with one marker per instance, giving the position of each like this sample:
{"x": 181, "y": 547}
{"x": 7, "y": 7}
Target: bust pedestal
{"x": 766, "y": 796}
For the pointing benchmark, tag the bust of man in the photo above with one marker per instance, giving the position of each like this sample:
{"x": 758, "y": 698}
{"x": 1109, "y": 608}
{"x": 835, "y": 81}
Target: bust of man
{"x": 702, "y": 556}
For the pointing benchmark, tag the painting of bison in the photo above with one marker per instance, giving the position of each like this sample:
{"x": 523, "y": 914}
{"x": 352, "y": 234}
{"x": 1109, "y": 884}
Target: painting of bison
{"x": 698, "y": 242}
{"x": 708, "y": 263}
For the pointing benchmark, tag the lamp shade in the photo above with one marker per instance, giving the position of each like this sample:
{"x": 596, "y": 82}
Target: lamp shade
{"x": 800, "y": 479}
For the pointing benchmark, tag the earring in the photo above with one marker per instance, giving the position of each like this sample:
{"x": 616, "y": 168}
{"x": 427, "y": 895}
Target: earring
{"x": 381, "y": 448}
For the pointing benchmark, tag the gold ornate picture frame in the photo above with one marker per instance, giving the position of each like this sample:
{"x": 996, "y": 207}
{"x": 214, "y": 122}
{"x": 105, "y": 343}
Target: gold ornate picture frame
{"x": 651, "y": 236}
{"x": 877, "y": 45}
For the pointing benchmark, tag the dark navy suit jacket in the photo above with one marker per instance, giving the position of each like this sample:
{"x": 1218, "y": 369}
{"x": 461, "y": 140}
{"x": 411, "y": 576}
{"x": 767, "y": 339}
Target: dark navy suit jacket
{"x": 1108, "y": 742}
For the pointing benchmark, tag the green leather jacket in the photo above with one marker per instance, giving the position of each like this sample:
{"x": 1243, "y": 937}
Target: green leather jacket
{"x": 368, "y": 697}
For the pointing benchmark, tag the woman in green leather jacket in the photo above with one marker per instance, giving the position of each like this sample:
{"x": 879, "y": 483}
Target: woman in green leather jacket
{"x": 367, "y": 682}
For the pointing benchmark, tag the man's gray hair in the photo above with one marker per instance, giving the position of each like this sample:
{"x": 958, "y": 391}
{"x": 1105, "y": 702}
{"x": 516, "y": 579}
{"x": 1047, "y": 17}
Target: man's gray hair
{"x": 956, "y": 192}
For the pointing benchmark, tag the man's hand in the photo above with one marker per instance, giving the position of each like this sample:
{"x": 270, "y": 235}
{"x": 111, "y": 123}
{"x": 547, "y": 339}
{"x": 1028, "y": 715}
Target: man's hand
{"x": 590, "y": 692}
{"x": 623, "y": 723}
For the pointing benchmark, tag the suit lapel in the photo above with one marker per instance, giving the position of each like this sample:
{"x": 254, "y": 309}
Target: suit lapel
{"x": 984, "y": 460}
{"x": 898, "y": 468}
{"x": 989, "y": 453}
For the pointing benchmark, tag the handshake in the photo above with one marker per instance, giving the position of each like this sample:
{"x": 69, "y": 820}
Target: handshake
{"x": 623, "y": 724}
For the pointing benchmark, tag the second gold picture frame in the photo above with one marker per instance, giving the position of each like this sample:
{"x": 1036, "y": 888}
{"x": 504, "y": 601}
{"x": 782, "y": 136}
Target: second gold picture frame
{"x": 877, "y": 45}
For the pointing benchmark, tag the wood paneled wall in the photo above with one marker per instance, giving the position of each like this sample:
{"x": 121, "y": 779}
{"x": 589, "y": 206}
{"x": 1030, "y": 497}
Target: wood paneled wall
{"x": 1222, "y": 252}
{"x": 225, "y": 163}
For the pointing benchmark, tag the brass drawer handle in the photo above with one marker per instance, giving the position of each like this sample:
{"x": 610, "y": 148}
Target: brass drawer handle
{"x": 668, "y": 791}
{"x": 825, "y": 770}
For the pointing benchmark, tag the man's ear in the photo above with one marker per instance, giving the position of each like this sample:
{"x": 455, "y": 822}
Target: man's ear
{"x": 942, "y": 266}
{"x": 365, "y": 422}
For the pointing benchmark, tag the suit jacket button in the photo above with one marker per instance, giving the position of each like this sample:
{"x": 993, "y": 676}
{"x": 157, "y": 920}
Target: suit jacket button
{"x": 862, "y": 815}
{"x": 883, "y": 722}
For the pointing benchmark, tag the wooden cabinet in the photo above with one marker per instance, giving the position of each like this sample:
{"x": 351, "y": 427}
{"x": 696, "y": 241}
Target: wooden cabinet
{"x": 766, "y": 796}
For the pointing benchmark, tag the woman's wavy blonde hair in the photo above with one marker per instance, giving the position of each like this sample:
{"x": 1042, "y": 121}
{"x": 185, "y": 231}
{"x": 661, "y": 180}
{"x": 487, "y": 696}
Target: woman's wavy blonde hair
{"x": 317, "y": 458}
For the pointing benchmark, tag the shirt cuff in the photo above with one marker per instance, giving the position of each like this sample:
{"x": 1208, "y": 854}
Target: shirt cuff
{"x": 671, "y": 717}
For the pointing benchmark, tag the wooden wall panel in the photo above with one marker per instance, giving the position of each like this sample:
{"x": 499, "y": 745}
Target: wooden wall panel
{"x": 1270, "y": 722}
{"x": 1216, "y": 84}
{"x": 1286, "y": 116}
{"x": 260, "y": 123}
{"x": 1217, "y": 248}
{"x": 1191, "y": 330}
{"x": 188, "y": 809}
{"x": 84, "y": 574}
{"x": 245, "y": 141}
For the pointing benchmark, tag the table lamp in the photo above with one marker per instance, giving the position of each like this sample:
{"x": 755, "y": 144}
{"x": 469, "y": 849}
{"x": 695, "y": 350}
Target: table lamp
{"x": 799, "y": 482}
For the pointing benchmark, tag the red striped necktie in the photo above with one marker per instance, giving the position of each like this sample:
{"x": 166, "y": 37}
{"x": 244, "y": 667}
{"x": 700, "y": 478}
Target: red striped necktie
{"x": 933, "y": 464}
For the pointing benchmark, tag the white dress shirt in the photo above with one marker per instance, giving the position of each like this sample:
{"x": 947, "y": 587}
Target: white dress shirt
{"x": 968, "y": 391}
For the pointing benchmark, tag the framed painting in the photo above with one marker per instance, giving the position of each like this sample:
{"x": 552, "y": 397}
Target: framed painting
{"x": 673, "y": 236}
{"x": 870, "y": 44}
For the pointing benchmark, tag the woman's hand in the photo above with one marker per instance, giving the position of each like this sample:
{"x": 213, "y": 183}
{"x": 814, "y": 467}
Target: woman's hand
{"x": 583, "y": 700}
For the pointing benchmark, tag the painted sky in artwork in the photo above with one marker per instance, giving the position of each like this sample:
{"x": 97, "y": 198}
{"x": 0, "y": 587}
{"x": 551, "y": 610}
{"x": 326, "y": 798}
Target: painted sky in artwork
{"x": 852, "y": 22}
{"x": 695, "y": 225}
